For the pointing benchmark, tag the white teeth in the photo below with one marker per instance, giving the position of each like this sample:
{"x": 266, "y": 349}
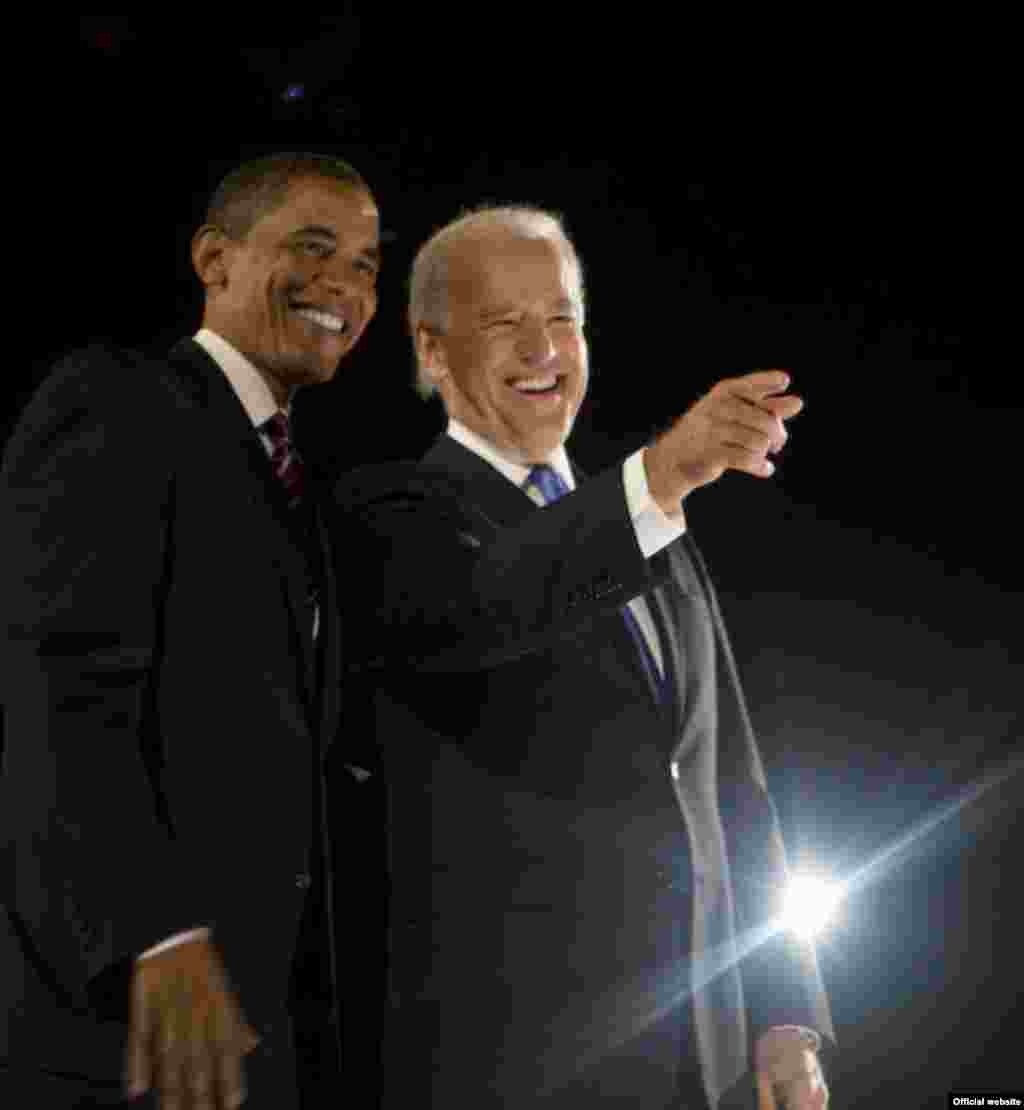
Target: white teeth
{"x": 534, "y": 385}
{"x": 324, "y": 319}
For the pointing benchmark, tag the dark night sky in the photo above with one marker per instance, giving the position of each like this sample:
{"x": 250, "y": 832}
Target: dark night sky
{"x": 871, "y": 588}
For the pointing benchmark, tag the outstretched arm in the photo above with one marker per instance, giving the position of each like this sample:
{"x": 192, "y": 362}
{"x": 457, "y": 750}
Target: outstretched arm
{"x": 435, "y": 584}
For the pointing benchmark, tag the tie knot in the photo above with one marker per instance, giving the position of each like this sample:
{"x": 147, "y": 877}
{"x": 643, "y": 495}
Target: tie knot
{"x": 278, "y": 430}
{"x": 550, "y": 483}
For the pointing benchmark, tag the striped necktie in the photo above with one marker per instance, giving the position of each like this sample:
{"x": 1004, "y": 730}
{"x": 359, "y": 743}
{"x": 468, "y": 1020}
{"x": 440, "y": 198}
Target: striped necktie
{"x": 289, "y": 471}
{"x": 549, "y": 483}
{"x": 284, "y": 458}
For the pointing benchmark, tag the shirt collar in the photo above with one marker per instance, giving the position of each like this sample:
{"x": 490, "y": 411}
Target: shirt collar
{"x": 515, "y": 472}
{"x": 247, "y": 382}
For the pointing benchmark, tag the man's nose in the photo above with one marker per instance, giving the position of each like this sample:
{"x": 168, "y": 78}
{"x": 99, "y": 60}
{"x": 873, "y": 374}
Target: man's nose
{"x": 340, "y": 276}
{"x": 536, "y": 347}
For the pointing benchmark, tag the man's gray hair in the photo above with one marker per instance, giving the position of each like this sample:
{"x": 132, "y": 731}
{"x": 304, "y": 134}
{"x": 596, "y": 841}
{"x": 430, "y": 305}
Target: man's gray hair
{"x": 428, "y": 282}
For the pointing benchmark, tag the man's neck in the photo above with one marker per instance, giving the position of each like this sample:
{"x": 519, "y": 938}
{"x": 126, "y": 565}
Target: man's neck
{"x": 515, "y": 470}
{"x": 257, "y": 396}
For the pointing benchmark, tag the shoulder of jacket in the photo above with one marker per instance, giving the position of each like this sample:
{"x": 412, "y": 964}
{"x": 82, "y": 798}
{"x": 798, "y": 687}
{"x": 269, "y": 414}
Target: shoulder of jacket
{"x": 116, "y": 387}
{"x": 101, "y": 368}
{"x": 409, "y": 480}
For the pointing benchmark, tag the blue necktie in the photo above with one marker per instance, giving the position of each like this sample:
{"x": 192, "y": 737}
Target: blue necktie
{"x": 551, "y": 486}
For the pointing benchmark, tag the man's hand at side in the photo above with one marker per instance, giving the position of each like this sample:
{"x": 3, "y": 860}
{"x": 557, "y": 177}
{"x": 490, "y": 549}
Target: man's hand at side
{"x": 187, "y": 1035}
{"x": 788, "y": 1073}
{"x": 735, "y": 426}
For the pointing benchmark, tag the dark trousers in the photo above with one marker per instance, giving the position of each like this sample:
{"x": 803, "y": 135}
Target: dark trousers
{"x": 298, "y": 1071}
{"x": 542, "y": 1008}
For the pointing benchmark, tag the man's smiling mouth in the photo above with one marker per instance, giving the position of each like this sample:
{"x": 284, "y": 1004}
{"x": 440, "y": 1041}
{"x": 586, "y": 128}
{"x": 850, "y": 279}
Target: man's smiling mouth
{"x": 336, "y": 325}
{"x": 539, "y": 386}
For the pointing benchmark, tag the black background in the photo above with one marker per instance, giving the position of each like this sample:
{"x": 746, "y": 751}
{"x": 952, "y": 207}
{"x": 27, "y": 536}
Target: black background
{"x": 871, "y": 587}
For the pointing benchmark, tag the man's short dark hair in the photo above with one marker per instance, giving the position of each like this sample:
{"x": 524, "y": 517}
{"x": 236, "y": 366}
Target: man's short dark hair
{"x": 258, "y": 187}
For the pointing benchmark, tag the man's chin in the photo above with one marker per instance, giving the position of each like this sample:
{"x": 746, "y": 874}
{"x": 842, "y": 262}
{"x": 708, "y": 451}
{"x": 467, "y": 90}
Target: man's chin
{"x": 541, "y": 448}
{"x": 313, "y": 373}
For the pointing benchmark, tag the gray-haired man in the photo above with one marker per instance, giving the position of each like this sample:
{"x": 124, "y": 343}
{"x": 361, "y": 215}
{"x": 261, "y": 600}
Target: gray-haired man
{"x": 579, "y": 823}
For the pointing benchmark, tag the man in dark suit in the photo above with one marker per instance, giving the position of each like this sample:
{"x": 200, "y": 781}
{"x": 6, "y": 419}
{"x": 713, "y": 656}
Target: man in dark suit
{"x": 582, "y": 846}
{"x": 170, "y": 678}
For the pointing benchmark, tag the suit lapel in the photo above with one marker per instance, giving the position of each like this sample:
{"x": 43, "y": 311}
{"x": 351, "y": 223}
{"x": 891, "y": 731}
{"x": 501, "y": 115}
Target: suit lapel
{"x": 666, "y": 620}
{"x": 331, "y": 637}
{"x": 208, "y": 387}
{"x": 503, "y": 502}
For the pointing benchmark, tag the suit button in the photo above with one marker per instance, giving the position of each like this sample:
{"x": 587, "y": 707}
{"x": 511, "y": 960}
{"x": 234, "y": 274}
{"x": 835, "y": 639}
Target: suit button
{"x": 303, "y": 880}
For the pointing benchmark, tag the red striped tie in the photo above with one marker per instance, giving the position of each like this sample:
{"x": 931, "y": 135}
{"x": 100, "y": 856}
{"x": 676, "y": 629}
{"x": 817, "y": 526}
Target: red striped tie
{"x": 284, "y": 458}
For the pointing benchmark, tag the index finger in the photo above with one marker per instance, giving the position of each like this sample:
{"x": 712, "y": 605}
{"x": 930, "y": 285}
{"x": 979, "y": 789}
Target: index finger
{"x": 762, "y": 383}
{"x": 141, "y": 1033}
{"x": 765, "y": 1097}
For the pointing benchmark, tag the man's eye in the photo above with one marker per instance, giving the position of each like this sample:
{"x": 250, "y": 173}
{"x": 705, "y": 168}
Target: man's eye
{"x": 503, "y": 323}
{"x": 319, "y": 249}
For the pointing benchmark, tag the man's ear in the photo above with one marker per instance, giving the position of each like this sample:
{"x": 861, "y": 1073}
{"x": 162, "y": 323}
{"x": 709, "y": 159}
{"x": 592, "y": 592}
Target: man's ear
{"x": 210, "y": 247}
{"x": 430, "y": 353}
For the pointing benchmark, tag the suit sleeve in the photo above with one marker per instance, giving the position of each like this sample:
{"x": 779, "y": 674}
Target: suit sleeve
{"x": 86, "y": 494}
{"x": 430, "y": 583}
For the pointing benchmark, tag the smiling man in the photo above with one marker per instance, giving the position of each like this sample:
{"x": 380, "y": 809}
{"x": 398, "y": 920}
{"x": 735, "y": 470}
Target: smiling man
{"x": 293, "y": 292}
{"x": 515, "y": 362}
{"x": 579, "y": 820}
{"x": 170, "y": 677}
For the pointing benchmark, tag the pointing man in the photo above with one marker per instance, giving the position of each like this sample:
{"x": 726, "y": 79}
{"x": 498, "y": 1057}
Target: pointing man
{"x": 579, "y": 825}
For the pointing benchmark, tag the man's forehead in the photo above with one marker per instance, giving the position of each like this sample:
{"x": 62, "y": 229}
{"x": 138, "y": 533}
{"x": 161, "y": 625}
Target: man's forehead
{"x": 319, "y": 201}
{"x": 485, "y": 265}
{"x": 501, "y": 242}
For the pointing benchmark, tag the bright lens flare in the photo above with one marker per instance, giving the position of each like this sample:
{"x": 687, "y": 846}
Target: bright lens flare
{"x": 809, "y": 905}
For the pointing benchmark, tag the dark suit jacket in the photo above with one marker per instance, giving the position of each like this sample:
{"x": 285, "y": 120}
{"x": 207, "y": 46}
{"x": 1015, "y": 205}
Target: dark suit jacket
{"x": 541, "y": 878}
{"x": 164, "y": 725}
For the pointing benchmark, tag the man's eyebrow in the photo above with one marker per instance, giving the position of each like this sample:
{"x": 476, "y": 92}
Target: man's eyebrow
{"x": 561, "y": 305}
{"x": 501, "y": 310}
{"x": 372, "y": 253}
{"x": 317, "y": 229}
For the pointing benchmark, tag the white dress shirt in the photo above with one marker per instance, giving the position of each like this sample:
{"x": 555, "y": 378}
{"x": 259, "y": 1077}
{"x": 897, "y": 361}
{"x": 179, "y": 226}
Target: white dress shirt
{"x": 654, "y": 529}
{"x": 247, "y": 382}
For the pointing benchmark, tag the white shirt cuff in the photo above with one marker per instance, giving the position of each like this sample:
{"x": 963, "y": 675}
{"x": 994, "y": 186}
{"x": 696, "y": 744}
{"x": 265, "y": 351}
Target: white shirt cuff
{"x": 173, "y": 942}
{"x": 812, "y": 1038}
{"x": 654, "y": 530}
